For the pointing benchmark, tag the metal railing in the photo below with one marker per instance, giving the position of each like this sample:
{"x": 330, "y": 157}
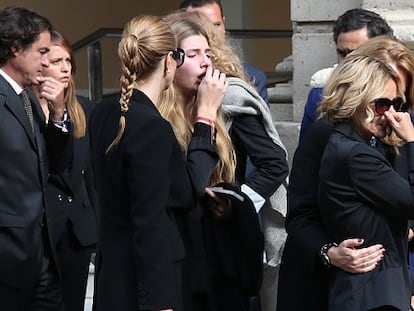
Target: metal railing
{"x": 92, "y": 43}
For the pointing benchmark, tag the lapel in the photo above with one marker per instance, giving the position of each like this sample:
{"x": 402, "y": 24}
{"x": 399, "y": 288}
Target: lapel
{"x": 71, "y": 177}
{"x": 15, "y": 105}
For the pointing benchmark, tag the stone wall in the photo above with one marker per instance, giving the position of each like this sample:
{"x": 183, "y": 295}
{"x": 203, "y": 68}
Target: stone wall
{"x": 313, "y": 49}
{"x": 312, "y": 44}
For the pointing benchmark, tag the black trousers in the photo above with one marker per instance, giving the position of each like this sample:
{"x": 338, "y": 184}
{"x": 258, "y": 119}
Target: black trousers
{"x": 47, "y": 294}
{"x": 44, "y": 295}
{"x": 73, "y": 262}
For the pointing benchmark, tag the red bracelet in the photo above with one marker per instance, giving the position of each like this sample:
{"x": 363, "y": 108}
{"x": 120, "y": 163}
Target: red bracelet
{"x": 211, "y": 122}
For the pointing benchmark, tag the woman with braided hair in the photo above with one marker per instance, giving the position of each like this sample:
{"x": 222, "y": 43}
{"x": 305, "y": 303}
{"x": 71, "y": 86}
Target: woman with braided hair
{"x": 143, "y": 176}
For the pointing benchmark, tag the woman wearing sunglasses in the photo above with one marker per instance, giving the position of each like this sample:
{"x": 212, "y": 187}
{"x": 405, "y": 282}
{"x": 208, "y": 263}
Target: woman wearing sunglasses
{"x": 360, "y": 192}
{"x": 143, "y": 178}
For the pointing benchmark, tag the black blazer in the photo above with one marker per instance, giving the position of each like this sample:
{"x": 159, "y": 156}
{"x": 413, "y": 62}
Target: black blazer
{"x": 26, "y": 162}
{"x": 141, "y": 183}
{"x": 301, "y": 271}
{"x": 71, "y": 195}
{"x": 250, "y": 139}
{"x": 361, "y": 195}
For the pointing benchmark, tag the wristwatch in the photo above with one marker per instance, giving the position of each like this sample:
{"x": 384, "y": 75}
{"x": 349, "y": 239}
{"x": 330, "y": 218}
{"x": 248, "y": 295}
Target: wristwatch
{"x": 323, "y": 253}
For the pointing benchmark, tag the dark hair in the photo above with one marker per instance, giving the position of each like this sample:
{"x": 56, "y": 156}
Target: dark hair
{"x": 185, "y": 4}
{"x": 355, "y": 19}
{"x": 19, "y": 28}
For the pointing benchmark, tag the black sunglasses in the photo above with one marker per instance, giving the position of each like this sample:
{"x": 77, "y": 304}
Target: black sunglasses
{"x": 383, "y": 104}
{"x": 179, "y": 56}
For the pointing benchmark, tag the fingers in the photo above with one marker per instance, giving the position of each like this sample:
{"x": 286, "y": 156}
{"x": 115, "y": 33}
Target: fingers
{"x": 211, "y": 92}
{"x": 209, "y": 192}
{"x": 401, "y": 124}
{"x": 220, "y": 207}
{"x": 349, "y": 257}
{"x": 216, "y": 79}
{"x": 368, "y": 259}
{"x": 50, "y": 88}
{"x": 352, "y": 243}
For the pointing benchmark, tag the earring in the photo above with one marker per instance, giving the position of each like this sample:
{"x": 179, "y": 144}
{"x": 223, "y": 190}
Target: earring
{"x": 167, "y": 70}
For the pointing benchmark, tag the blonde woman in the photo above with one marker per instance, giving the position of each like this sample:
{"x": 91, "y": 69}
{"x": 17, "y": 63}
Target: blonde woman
{"x": 143, "y": 177}
{"x": 232, "y": 276}
{"x": 360, "y": 193}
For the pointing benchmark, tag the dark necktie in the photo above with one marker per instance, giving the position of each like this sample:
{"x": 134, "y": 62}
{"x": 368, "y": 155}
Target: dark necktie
{"x": 27, "y": 106}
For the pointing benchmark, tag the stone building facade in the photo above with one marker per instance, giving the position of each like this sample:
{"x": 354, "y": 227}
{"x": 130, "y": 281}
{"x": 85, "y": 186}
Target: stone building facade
{"x": 313, "y": 49}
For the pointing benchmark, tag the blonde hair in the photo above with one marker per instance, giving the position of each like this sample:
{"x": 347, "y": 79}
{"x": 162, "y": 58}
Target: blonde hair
{"x": 352, "y": 88}
{"x": 182, "y": 114}
{"x": 224, "y": 56}
{"x": 145, "y": 41}
{"x": 394, "y": 54}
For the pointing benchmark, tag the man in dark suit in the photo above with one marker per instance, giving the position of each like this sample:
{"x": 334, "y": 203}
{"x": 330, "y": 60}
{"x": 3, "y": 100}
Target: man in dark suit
{"x": 29, "y": 151}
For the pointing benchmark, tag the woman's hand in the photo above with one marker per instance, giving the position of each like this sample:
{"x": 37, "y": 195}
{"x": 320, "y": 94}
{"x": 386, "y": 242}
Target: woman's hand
{"x": 220, "y": 207}
{"x": 210, "y": 93}
{"x": 53, "y": 91}
{"x": 346, "y": 257}
{"x": 401, "y": 123}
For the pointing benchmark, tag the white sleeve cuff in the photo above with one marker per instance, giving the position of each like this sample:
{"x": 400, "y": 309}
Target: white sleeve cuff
{"x": 256, "y": 198}
{"x": 64, "y": 124}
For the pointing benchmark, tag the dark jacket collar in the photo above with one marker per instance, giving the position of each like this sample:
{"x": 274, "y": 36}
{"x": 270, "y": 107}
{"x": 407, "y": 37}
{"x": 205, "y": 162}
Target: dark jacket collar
{"x": 347, "y": 130}
{"x": 141, "y": 97}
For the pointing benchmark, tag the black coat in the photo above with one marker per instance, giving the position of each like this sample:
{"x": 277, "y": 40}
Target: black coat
{"x": 71, "y": 195}
{"x": 141, "y": 184}
{"x": 302, "y": 273}
{"x": 26, "y": 163}
{"x": 227, "y": 255}
{"x": 251, "y": 141}
{"x": 361, "y": 195}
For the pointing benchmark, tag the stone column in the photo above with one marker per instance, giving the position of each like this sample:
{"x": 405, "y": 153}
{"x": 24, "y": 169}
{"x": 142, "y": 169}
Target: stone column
{"x": 312, "y": 44}
{"x": 398, "y": 13}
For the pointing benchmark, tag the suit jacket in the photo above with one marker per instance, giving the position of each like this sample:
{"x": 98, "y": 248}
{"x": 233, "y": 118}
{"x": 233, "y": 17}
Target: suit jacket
{"x": 259, "y": 79}
{"x": 250, "y": 139}
{"x": 301, "y": 271}
{"x": 26, "y": 161}
{"x": 361, "y": 195}
{"x": 141, "y": 183}
{"x": 310, "y": 114}
{"x": 71, "y": 195}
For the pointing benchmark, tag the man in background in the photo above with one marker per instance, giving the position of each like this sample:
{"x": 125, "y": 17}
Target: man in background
{"x": 351, "y": 29}
{"x": 214, "y": 11}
